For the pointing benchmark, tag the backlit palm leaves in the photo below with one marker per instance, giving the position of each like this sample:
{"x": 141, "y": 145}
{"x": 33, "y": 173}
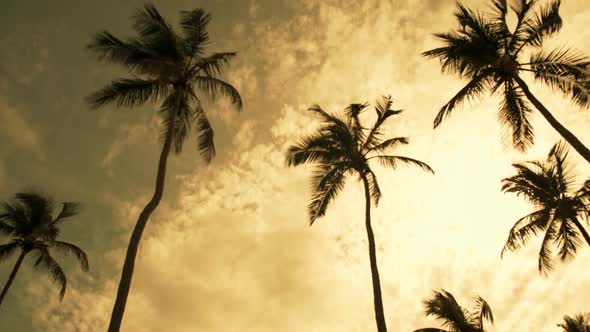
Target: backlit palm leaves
{"x": 484, "y": 50}
{"x": 33, "y": 230}
{"x": 455, "y": 318}
{"x": 171, "y": 67}
{"x": 578, "y": 323}
{"x": 343, "y": 147}
{"x": 559, "y": 208}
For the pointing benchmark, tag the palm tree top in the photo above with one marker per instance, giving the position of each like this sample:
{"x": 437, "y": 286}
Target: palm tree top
{"x": 344, "y": 146}
{"x": 32, "y": 226}
{"x": 489, "y": 53}
{"x": 549, "y": 186}
{"x": 578, "y": 323}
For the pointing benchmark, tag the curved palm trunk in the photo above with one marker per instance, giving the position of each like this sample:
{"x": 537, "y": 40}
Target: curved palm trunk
{"x": 564, "y": 132}
{"x": 129, "y": 265}
{"x": 379, "y": 315}
{"x": 19, "y": 261}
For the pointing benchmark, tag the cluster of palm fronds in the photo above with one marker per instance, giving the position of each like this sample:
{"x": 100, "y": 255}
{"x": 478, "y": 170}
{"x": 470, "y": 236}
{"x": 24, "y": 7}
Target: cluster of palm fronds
{"x": 172, "y": 67}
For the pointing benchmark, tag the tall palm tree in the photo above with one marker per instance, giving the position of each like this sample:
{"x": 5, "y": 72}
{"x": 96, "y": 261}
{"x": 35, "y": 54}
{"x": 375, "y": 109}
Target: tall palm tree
{"x": 172, "y": 67}
{"x": 344, "y": 147}
{"x": 558, "y": 208}
{"x": 578, "y": 323}
{"x": 30, "y": 223}
{"x": 488, "y": 53}
{"x": 456, "y": 318}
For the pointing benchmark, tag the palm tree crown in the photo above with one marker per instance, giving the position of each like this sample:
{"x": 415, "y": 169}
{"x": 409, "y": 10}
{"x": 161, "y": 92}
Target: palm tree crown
{"x": 489, "y": 53}
{"x": 558, "y": 208}
{"x": 344, "y": 147}
{"x": 169, "y": 66}
{"x": 578, "y": 323}
{"x": 32, "y": 228}
{"x": 455, "y": 318}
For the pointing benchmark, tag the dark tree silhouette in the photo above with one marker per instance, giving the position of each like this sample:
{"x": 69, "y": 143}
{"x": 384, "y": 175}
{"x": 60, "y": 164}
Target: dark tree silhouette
{"x": 578, "y": 323}
{"x": 558, "y": 209}
{"x": 172, "y": 67}
{"x": 455, "y": 318}
{"x": 342, "y": 147}
{"x": 30, "y": 223}
{"x": 485, "y": 51}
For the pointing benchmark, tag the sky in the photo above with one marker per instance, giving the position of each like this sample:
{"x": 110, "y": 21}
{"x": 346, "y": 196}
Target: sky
{"x": 230, "y": 247}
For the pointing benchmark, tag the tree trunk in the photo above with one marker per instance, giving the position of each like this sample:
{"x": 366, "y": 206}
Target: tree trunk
{"x": 379, "y": 315}
{"x": 129, "y": 265}
{"x": 19, "y": 261}
{"x": 582, "y": 230}
{"x": 564, "y": 132}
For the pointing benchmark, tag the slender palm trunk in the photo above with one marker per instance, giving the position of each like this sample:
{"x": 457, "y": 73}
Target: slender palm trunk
{"x": 19, "y": 261}
{"x": 564, "y": 132}
{"x": 129, "y": 265}
{"x": 379, "y": 315}
{"x": 582, "y": 230}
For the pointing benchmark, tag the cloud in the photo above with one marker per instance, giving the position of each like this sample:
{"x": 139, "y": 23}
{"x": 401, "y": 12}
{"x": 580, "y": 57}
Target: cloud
{"x": 17, "y": 133}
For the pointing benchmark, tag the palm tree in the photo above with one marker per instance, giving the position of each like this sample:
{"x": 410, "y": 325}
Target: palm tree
{"x": 172, "y": 67}
{"x": 455, "y": 318}
{"x": 30, "y": 223}
{"x": 578, "y": 323}
{"x": 558, "y": 209}
{"x": 343, "y": 147}
{"x": 486, "y": 51}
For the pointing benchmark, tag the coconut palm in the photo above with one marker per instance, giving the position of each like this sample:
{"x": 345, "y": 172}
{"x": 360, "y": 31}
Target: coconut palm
{"x": 171, "y": 67}
{"x": 455, "y": 318}
{"x": 578, "y": 323}
{"x": 343, "y": 147}
{"x": 490, "y": 55}
{"x": 30, "y": 222}
{"x": 558, "y": 207}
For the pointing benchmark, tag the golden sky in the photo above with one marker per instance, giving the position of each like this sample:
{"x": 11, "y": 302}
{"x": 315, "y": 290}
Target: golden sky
{"x": 230, "y": 249}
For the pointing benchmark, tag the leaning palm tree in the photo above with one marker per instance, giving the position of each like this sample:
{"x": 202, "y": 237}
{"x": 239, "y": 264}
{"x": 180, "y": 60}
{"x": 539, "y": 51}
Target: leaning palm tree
{"x": 578, "y": 323}
{"x": 171, "y": 67}
{"x": 30, "y": 223}
{"x": 488, "y": 53}
{"x": 558, "y": 208}
{"x": 456, "y": 318}
{"x": 343, "y": 147}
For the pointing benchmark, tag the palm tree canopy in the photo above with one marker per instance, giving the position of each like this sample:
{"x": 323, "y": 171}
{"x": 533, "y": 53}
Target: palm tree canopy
{"x": 578, "y": 323}
{"x": 30, "y": 223}
{"x": 548, "y": 186}
{"x": 455, "y": 318}
{"x": 170, "y": 66}
{"x": 490, "y": 54}
{"x": 343, "y": 146}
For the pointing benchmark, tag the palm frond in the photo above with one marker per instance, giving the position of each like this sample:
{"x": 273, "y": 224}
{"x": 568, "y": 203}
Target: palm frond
{"x": 578, "y": 323}
{"x": 374, "y": 189}
{"x": 327, "y": 183}
{"x": 430, "y": 329}
{"x": 533, "y": 181}
{"x": 471, "y": 91}
{"x": 523, "y": 10}
{"x": 538, "y": 27}
{"x": 194, "y": 29}
{"x": 204, "y": 135}
{"x": 394, "y": 161}
{"x": 6, "y": 227}
{"x": 46, "y": 262}
{"x": 214, "y": 87}
{"x": 444, "y": 306}
{"x": 545, "y": 262}
{"x": 213, "y": 65}
{"x": 352, "y": 113}
{"x": 525, "y": 228}
{"x": 564, "y": 70}
{"x": 7, "y": 250}
{"x": 384, "y": 112}
{"x": 387, "y": 144}
{"x": 314, "y": 149}
{"x": 69, "y": 209}
{"x": 482, "y": 311}
{"x": 130, "y": 92}
{"x": 567, "y": 239}
{"x": 563, "y": 179}
{"x": 177, "y": 115}
{"x": 156, "y": 33}
{"x": 514, "y": 114}
{"x": 36, "y": 206}
{"x": 68, "y": 249}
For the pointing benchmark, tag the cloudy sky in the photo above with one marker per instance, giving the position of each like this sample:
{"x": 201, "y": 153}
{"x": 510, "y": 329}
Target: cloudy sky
{"x": 230, "y": 249}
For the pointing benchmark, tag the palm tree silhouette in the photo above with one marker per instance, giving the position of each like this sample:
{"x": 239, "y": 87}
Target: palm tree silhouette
{"x": 343, "y": 147}
{"x": 169, "y": 66}
{"x": 578, "y": 323}
{"x": 558, "y": 209}
{"x": 443, "y": 306}
{"x": 486, "y": 52}
{"x": 33, "y": 229}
